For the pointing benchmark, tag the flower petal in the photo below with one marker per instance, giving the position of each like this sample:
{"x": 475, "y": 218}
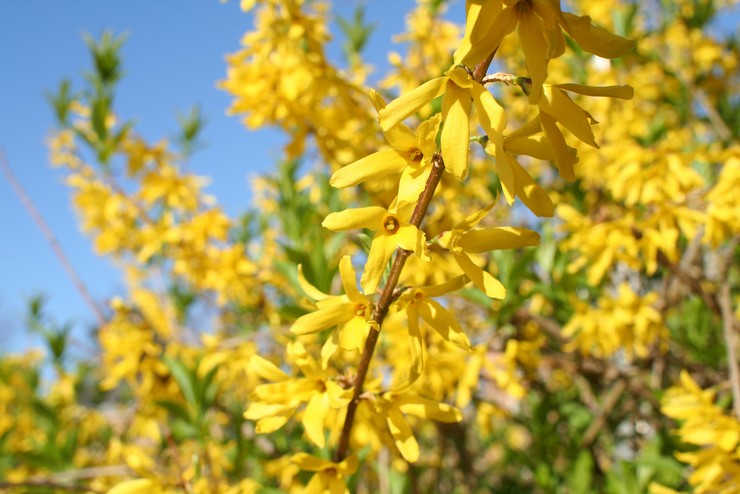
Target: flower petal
{"x": 381, "y": 251}
{"x": 426, "y": 135}
{"x": 621, "y": 92}
{"x": 351, "y": 219}
{"x": 411, "y": 238}
{"x": 403, "y": 436}
{"x": 324, "y": 318}
{"x": 349, "y": 280}
{"x": 482, "y": 279}
{"x": 313, "y": 418}
{"x": 310, "y": 290}
{"x": 456, "y": 131}
{"x": 535, "y": 50}
{"x": 565, "y": 156}
{"x": 372, "y": 167}
{"x": 443, "y": 323}
{"x": 532, "y": 195}
{"x": 407, "y": 104}
{"x": 487, "y": 38}
{"x": 429, "y": 409}
{"x": 491, "y": 115}
{"x": 557, "y": 104}
{"x": 502, "y": 237}
{"x": 594, "y": 39}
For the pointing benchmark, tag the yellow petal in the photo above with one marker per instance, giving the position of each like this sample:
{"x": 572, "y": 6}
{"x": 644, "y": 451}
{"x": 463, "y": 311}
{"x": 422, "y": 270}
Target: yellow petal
{"x": 594, "y": 39}
{"x": 535, "y": 49}
{"x": 443, "y": 288}
{"x": 505, "y": 172}
{"x": 407, "y": 104}
{"x": 266, "y": 369}
{"x": 310, "y": 463}
{"x": 310, "y": 290}
{"x": 456, "y": 131}
{"x": 268, "y": 425}
{"x": 502, "y": 237}
{"x": 403, "y": 436}
{"x": 411, "y": 238}
{"x": 622, "y": 92}
{"x": 558, "y": 105}
{"x": 330, "y": 347}
{"x": 137, "y": 486}
{"x": 353, "y": 334}
{"x": 565, "y": 156}
{"x": 324, "y": 318}
{"x": 531, "y": 194}
{"x": 482, "y": 279}
{"x": 350, "y": 219}
{"x": 422, "y": 407}
{"x": 258, "y": 410}
{"x": 313, "y": 418}
{"x": 426, "y": 135}
{"x": 381, "y": 251}
{"x": 372, "y": 167}
{"x": 443, "y": 323}
{"x": 349, "y": 280}
{"x": 415, "y": 345}
{"x": 491, "y": 115}
{"x": 488, "y": 37}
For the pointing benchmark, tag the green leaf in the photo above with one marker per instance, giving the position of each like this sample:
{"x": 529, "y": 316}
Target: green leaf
{"x": 184, "y": 379}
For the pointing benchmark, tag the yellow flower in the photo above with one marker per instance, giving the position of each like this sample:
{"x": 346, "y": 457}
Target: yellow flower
{"x": 458, "y": 89}
{"x": 393, "y": 405}
{"x": 556, "y": 106}
{"x": 330, "y": 476}
{"x": 515, "y": 181}
{"x": 704, "y": 424}
{"x": 418, "y": 303}
{"x": 465, "y": 239}
{"x": 391, "y": 229}
{"x": 539, "y": 25}
{"x": 274, "y": 403}
{"x": 351, "y": 312}
{"x": 410, "y": 155}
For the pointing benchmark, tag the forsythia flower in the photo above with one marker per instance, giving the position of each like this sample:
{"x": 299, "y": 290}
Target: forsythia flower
{"x": 274, "y": 403}
{"x": 351, "y": 312}
{"x": 417, "y": 303}
{"x": 330, "y": 476}
{"x": 465, "y": 239}
{"x": 391, "y": 231}
{"x": 715, "y": 432}
{"x": 626, "y": 322}
{"x": 458, "y": 88}
{"x": 392, "y": 405}
{"x": 539, "y": 23}
{"x": 410, "y": 155}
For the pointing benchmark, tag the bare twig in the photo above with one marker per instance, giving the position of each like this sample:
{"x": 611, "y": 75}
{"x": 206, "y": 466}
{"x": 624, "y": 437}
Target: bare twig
{"x": 50, "y": 238}
{"x": 728, "y": 331}
{"x": 384, "y": 303}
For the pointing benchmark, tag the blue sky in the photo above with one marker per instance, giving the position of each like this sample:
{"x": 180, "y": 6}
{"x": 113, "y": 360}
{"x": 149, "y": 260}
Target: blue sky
{"x": 173, "y": 58}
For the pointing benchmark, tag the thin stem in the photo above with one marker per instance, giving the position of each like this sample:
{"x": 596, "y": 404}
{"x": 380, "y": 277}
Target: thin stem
{"x": 728, "y": 330}
{"x": 383, "y": 305}
{"x": 50, "y": 238}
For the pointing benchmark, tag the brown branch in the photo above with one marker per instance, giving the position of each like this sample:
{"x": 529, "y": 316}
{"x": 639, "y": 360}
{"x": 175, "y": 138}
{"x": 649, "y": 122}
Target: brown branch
{"x": 383, "y": 305}
{"x": 728, "y": 331}
{"x": 50, "y": 238}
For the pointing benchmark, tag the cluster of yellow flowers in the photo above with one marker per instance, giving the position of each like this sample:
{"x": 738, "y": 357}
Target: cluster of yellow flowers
{"x": 339, "y": 322}
{"x": 404, "y": 314}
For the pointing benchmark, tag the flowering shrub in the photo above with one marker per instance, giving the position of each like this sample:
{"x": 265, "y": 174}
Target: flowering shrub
{"x": 475, "y": 288}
